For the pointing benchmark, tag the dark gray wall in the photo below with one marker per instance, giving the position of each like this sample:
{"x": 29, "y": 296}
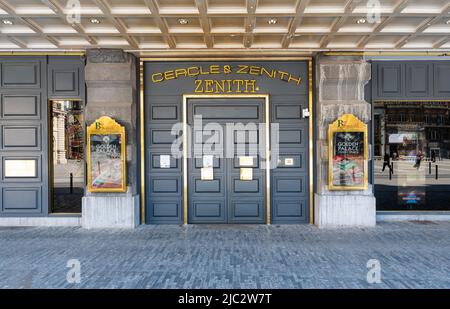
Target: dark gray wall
{"x": 415, "y": 80}
{"x": 163, "y": 108}
{"x": 65, "y": 76}
{"x": 27, "y": 83}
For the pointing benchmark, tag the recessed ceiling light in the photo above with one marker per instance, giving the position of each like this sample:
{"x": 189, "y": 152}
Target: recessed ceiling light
{"x": 272, "y": 21}
{"x": 95, "y": 21}
{"x": 7, "y": 22}
{"x": 361, "y": 21}
{"x": 183, "y": 21}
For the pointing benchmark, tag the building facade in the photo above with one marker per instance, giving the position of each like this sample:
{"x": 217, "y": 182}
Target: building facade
{"x": 265, "y": 120}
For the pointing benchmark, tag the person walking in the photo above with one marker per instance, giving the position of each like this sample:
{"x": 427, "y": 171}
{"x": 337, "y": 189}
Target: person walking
{"x": 433, "y": 156}
{"x": 419, "y": 157}
{"x": 387, "y": 162}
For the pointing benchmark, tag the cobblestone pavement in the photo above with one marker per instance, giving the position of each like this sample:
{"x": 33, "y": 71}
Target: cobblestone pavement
{"x": 412, "y": 255}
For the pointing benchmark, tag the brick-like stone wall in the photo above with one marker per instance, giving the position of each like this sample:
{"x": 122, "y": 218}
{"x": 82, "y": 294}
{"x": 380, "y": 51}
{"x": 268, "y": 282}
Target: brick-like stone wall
{"x": 112, "y": 91}
{"x": 340, "y": 89}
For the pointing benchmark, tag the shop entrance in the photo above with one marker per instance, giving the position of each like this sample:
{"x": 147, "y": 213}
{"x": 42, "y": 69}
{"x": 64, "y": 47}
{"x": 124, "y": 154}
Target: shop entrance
{"x": 226, "y": 169}
{"x": 238, "y": 188}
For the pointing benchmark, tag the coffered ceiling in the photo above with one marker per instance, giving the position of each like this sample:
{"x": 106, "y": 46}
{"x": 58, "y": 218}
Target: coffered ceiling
{"x": 146, "y": 25}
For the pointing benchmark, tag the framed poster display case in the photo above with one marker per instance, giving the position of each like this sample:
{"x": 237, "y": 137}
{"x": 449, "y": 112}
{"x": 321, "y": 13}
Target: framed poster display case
{"x": 106, "y": 156}
{"x": 347, "y": 154}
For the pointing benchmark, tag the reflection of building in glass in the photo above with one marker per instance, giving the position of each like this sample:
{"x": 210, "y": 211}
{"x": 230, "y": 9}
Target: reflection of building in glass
{"x": 402, "y": 129}
{"x": 67, "y": 131}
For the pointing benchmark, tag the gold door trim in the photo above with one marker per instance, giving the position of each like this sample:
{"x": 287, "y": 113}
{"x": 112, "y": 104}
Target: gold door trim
{"x": 310, "y": 142}
{"x": 142, "y": 133}
{"x": 388, "y": 53}
{"x": 186, "y": 97}
{"x": 31, "y": 53}
{"x": 235, "y": 58}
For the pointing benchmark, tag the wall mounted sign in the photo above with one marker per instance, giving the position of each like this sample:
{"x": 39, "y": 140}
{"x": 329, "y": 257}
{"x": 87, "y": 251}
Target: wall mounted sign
{"x": 235, "y": 85}
{"x": 208, "y": 161}
{"x": 246, "y": 161}
{"x": 207, "y": 173}
{"x": 15, "y": 168}
{"x": 347, "y": 154}
{"x": 289, "y": 161}
{"x": 164, "y": 161}
{"x": 246, "y": 173}
{"x": 106, "y": 156}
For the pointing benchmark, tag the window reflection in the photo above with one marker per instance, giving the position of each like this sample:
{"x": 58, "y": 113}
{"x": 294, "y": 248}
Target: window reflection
{"x": 68, "y": 156}
{"x": 412, "y": 155}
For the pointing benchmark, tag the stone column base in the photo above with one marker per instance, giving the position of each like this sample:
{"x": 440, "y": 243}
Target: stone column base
{"x": 333, "y": 211}
{"x": 110, "y": 212}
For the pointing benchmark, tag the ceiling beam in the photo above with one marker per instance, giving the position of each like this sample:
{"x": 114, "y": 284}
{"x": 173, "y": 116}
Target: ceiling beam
{"x": 337, "y": 24}
{"x": 16, "y": 41}
{"x": 56, "y": 7}
{"x": 299, "y": 10}
{"x": 204, "y": 22}
{"x": 250, "y": 23}
{"x": 398, "y": 8}
{"x": 153, "y": 7}
{"x": 422, "y": 26}
{"x": 105, "y": 8}
{"x": 28, "y": 22}
{"x": 439, "y": 43}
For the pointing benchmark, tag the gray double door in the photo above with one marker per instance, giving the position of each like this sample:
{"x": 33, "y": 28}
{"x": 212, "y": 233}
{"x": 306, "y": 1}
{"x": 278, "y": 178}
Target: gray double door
{"x": 225, "y": 197}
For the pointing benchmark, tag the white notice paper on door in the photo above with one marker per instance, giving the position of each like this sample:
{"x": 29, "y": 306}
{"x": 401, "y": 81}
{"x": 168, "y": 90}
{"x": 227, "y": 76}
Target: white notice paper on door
{"x": 208, "y": 161}
{"x": 164, "y": 161}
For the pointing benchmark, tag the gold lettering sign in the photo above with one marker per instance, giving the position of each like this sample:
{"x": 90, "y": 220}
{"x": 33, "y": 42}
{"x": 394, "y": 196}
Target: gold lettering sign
{"x": 208, "y": 84}
{"x": 225, "y": 86}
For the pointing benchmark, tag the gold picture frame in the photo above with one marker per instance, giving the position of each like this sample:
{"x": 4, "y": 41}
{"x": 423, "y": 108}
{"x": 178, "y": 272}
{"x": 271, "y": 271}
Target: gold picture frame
{"x": 106, "y": 145}
{"x": 352, "y": 155}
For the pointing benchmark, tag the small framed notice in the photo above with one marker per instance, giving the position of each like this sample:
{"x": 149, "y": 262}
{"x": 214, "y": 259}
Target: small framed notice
{"x": 106, "y": 156}
{"x": 246, "y": 173}
{"x": 164, "y": 161}
{"x": 17, "y": 168}
{"x": 288, "y": 161}
{"x": 246, "y": 161}
{"x": 347, "y": 154}
{"x": 208, "y": 161}
{"x": 207, "y": 173}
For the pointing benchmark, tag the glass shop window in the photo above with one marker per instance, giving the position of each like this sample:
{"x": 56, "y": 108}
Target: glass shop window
{"x": 67, "y": 148}
{"x": 412, "y": 155}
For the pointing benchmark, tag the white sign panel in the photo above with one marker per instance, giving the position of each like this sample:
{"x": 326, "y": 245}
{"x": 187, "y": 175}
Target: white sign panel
{"x": 208, "y": 161}
{"x": 20, "y": 168}
{"x": 164, "y": 161}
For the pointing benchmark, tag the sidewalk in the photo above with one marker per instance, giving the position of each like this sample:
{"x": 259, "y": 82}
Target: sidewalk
{"x": 412, "y": 255}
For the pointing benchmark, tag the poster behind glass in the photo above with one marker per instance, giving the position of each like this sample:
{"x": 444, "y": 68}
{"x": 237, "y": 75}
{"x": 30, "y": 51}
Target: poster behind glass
{"x": 348, "y": 160}
{"x": 106, "y": 161}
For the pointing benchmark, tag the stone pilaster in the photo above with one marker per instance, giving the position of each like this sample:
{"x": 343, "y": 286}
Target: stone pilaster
{"x": 112, "y": 91}
{"x": 340, "y": 90}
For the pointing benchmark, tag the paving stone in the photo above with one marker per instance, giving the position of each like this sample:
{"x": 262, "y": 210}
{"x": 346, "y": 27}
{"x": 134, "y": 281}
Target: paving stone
{"x": 412, "y": 255}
